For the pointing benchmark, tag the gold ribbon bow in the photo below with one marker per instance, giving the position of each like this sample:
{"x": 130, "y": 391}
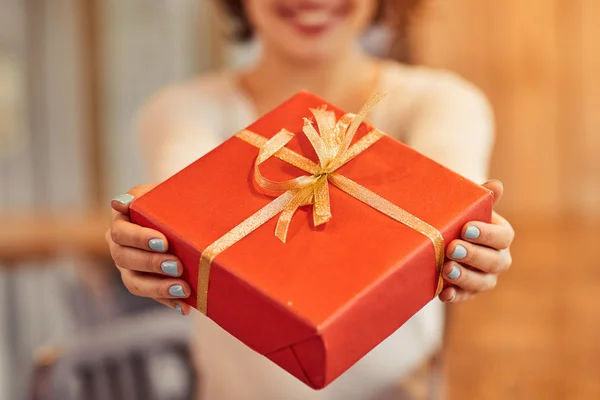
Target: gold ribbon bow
{"x": 333, "y": 149}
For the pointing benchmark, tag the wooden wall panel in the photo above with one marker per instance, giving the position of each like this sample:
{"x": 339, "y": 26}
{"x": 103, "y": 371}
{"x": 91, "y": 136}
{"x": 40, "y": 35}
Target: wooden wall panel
{"x": 589, "y": 80}
{"x": 538, "y": 63}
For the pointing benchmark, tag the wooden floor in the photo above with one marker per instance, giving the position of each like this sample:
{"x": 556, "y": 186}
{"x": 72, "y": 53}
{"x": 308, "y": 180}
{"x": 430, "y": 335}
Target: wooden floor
{"x": 537, "y": 336}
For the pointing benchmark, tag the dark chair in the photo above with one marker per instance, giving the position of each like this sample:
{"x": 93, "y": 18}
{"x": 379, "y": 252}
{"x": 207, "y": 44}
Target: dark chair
{"x": 144, "y": 357}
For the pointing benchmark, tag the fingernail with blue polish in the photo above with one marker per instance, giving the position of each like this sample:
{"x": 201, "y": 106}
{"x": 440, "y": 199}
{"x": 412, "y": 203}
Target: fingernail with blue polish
{"x": 492, "y": 180}
{"x": 178, "y": 308}
{"x": 454, "y": 274}
{"x": 124, "y": 198}
{"x": 157, "y": 245}
{"x": 472, "y": 232}
{"x": 169, "y": 268}
{"x": 176, "y": 291}
{"x": 459, "y": 252}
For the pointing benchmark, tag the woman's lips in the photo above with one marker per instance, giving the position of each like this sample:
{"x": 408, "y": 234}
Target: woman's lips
{"x": 313, "y": 17}
{"x": 312, "y": 20}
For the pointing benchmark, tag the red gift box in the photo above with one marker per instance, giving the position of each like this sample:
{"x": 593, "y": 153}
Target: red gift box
{"x": 319, "y": 302}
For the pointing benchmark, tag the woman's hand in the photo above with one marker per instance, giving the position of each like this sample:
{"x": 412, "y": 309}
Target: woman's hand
{"x": 477, "y": 260}
{"x": 141, "y": 255}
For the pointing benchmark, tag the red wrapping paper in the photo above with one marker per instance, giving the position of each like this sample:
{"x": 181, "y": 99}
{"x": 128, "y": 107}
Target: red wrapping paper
{"x": 318, "y": 303}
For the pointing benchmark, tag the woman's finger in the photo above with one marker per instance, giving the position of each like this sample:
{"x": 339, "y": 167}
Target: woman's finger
{"x": 153, "y": 286}
{"x": 125, "y": 233}
{"x": 447, "y": 294}
{"x": 145, "y": 261}
{"x": 121, "y": 202}
{"x": 452, "y": 294}
{"x": 496, "y": 187}
{"x": 492, "y": 235}
{"x": 468, "y": 279}
{"x": 181, "y": 307}
{"x": 479, "y": 257}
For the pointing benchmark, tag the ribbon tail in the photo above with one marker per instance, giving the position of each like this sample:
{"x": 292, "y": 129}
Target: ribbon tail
{"x": 283, "y": 223}
{"x": 326, "y": 123}
{"x": 359, "y": 118}
{"x": 322, "y": 207}
{"x": 341, "y": 127}
{"x": 317, "y": 142}
{"x": 390, "y": 209}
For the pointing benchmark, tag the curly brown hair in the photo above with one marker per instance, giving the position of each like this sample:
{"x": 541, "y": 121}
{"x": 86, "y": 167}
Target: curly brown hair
{"x": 397, "y": 12}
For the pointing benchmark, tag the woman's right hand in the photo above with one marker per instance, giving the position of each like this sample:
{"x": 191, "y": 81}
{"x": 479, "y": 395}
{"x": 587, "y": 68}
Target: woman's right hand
{"x": 141, "y": 255}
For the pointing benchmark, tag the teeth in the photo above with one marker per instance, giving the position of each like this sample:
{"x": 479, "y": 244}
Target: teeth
{"x": 312, "y": 18}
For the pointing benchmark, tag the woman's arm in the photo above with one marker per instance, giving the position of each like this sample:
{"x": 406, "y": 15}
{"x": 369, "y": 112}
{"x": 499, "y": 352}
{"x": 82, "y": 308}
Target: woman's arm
{"x": 174, "y": 129}
{"x": 453, "y": 124}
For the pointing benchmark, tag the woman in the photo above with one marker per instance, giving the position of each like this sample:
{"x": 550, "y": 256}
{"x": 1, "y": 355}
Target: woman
{"x": 310, "y": 44}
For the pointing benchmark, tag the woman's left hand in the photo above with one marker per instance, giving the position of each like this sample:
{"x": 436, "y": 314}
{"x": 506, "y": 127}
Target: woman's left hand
{"x": 476, "y": 261}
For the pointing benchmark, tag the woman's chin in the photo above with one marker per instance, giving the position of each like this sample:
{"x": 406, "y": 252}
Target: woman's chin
{"x": 313, "y": 51}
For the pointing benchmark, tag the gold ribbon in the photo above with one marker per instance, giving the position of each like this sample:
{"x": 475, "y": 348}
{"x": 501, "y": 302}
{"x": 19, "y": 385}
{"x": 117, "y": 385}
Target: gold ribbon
{"x": 333, "y": 150}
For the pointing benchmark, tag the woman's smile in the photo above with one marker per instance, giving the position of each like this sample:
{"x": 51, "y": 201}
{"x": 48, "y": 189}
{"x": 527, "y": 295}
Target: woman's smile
{"x": 313, "y": 17}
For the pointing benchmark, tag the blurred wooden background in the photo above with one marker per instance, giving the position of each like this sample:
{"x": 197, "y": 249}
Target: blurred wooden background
{"x": 536, "y": 335}
{"x": 538, "y": 62}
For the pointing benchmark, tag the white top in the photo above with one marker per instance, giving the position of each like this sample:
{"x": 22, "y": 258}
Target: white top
{"x": 435, "y": 112}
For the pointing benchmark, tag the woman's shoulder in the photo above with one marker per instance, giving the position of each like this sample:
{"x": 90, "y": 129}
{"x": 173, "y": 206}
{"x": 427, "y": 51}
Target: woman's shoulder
{"x": 432, "y": 87}
{"x": 200, "y": 96}
{"x": 182, "y": 122}
{"x": 418, "y": 93}
{"x": 427, "y": 80}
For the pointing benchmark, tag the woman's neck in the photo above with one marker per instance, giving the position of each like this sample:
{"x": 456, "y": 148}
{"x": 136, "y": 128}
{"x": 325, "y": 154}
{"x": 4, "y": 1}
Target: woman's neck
{"x": 347, "y": 80}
